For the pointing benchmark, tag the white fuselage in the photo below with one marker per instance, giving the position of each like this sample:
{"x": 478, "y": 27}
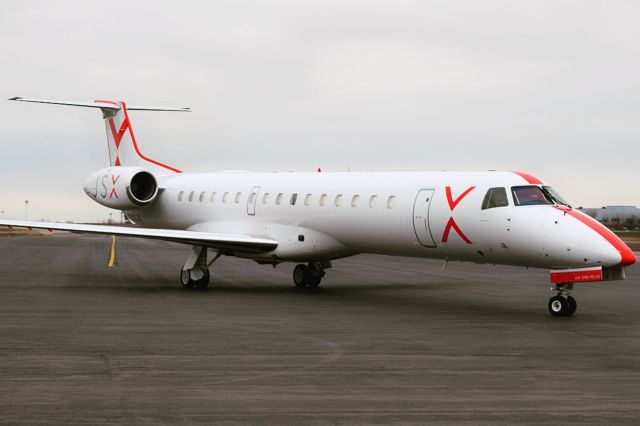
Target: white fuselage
{"x": 417, "y": 214}
{"x": 494, "y": 217}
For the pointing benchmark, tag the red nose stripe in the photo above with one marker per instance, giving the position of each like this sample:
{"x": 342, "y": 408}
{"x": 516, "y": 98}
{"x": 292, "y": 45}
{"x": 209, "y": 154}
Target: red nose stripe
{"x": 529, "y": 178}
{"x": 627, "y": 256}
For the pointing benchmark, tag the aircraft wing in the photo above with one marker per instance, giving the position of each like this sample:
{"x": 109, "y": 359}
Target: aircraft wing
{"x": 236, "y": 242}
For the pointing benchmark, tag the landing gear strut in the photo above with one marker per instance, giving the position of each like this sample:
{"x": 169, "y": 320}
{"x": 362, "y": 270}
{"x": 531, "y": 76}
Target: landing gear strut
{"x": 309, "y": 275}
{"x": 562, "y": 304}
{"x": 195, "y": 272}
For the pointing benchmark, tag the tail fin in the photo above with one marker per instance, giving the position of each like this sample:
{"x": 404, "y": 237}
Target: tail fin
{"x": 122, "y": 144}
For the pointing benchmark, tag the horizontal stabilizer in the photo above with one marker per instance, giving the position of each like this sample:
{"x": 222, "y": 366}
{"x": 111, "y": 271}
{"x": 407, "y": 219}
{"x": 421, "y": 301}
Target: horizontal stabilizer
{"x": 101, "y": 104}
{"x": 145, "y": 108}
{"x": 80, "y": 104}
{"x": 233, "y": 242}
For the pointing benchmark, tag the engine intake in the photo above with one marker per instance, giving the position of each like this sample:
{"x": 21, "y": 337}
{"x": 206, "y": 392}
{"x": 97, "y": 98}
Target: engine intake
{"x": 122, "y": 188}
{"x": 142, "y": 188}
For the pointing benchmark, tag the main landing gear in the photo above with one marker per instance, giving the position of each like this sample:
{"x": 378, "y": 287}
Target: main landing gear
{"x": 562, "y": 304}
{"x": 195, "y": 272}
{"x": 187, "y": 280}
{"x": 309, "y": 275}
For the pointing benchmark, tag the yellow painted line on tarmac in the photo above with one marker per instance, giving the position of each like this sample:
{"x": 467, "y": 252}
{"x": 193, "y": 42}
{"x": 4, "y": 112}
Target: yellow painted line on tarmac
{"x": 112, "y": 257}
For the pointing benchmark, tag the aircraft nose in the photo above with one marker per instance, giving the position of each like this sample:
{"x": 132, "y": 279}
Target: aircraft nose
{"x": 616, "y": 255}
{"x": 628, "y": 258}
{"x": 613, "y": 251}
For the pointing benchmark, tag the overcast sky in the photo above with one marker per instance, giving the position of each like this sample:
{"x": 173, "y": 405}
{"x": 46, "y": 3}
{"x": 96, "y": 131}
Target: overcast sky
{"x": 551, "y": 88}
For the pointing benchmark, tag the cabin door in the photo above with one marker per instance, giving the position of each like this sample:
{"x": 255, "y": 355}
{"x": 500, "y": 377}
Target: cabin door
{"x": 421, "y": 217}
{"x": 251, "y": 202}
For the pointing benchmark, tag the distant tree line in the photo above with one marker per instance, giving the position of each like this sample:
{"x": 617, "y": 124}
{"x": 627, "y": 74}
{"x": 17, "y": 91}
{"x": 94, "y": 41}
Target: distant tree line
{"x": 632, "y": 222}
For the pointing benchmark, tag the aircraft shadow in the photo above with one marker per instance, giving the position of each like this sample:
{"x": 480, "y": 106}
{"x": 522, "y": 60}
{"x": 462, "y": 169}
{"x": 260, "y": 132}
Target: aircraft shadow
{"x": 426, "y": 299}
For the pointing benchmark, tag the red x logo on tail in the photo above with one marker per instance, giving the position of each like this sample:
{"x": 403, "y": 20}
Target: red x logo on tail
{"x": 118, "y": 135}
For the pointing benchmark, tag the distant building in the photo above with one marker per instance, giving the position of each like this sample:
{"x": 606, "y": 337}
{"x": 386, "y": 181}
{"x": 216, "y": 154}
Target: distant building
{"x": 615, "y": 216}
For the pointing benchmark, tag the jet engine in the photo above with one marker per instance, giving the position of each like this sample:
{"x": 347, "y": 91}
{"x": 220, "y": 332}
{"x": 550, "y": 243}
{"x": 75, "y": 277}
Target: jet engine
{"x": 122, "y": 188}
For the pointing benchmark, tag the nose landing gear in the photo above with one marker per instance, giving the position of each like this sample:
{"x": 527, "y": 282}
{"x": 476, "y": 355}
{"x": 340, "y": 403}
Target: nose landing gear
{"x": 562, "y": 304}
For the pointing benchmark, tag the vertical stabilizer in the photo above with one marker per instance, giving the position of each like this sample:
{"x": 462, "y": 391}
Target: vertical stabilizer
{"x": 121, "y": 141}
{"x": 123, "y": 147}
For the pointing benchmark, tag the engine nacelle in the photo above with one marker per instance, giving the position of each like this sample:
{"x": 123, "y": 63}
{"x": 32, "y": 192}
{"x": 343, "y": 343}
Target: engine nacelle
{"x": 122, "y": 188}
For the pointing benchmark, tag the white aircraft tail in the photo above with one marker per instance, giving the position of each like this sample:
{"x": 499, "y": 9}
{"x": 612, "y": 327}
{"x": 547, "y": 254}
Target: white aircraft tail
{"x": 121, "y": 141}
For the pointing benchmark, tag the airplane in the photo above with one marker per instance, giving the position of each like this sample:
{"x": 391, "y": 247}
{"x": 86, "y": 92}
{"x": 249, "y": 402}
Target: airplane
{"x": 313, "y": 218}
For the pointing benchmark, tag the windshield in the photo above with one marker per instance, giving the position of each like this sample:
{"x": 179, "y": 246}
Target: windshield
{"x": 555, "y": 196}
{"x": 530, "y": 196}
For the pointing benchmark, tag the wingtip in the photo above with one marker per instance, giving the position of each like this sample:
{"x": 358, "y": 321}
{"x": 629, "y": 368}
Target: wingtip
{"x": 15, "y": 98}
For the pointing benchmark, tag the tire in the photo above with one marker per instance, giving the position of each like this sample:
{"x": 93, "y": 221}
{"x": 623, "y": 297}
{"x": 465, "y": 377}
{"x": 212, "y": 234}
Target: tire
{"x": 558, "y": 306}
{"x": 185, "y": 279}
{"x": 572, "y": 305}
{"x": 300, "y": 275}
{"x": 314, "y": 280}
{"x": 203, "y": 282}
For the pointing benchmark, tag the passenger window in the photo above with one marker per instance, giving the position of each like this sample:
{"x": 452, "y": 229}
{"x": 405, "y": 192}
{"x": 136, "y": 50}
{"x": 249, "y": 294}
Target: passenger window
{"x": 307, "y": 200}
{"x": 225, "y": 197}
{"x": 372, "y": 201}
{"x": 238, "y": 195}
{"x": 201, "y": 199}
{"x": 338, "y": 200}
{"x": 355, "y": 200}
{"x": 529, "y": 196}
{"x": 294, "y": 198}
{"x": 391, "y": 201}
{"x": 495, "y": 197}
{"x": 279, "y": 198}
{"x": 265, "y": 198}
{"x": 191, "y": 196}
{"x": 180, "y": 195}
{"x": 213, "y": 196}
{"x": 323, "y": 200}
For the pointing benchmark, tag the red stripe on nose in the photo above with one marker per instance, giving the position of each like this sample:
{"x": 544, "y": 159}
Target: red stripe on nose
{"x": 627, "y": 256}
{"x": 529, "y": 178}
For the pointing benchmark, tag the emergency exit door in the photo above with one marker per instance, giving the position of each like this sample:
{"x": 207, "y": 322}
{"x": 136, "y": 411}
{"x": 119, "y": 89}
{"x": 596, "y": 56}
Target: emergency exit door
{"x": 421, "y": 217}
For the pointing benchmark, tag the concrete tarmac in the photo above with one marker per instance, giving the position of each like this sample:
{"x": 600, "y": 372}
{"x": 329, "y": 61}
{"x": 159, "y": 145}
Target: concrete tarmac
{"x": 383, "y": 341}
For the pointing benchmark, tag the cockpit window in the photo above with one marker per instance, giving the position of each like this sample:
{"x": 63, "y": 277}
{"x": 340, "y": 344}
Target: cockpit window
{"x": 555, "y": 196}
{"x": 495, "y": 197}
{"x": 530, "y": 196}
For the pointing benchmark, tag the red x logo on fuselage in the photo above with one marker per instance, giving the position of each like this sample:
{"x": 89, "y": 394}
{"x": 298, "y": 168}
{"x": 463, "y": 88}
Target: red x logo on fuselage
{"x": 451, "y": 224}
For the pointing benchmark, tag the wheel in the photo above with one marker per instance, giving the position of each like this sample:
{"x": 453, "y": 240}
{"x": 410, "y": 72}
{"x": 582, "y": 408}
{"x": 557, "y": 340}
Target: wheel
{"x": 185, "y": 279}
{"x": 203, "y": 282}
{"x": 300, "y": 274}
{"x": 558, "y": 306}
{"x": 572, "y": 306}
